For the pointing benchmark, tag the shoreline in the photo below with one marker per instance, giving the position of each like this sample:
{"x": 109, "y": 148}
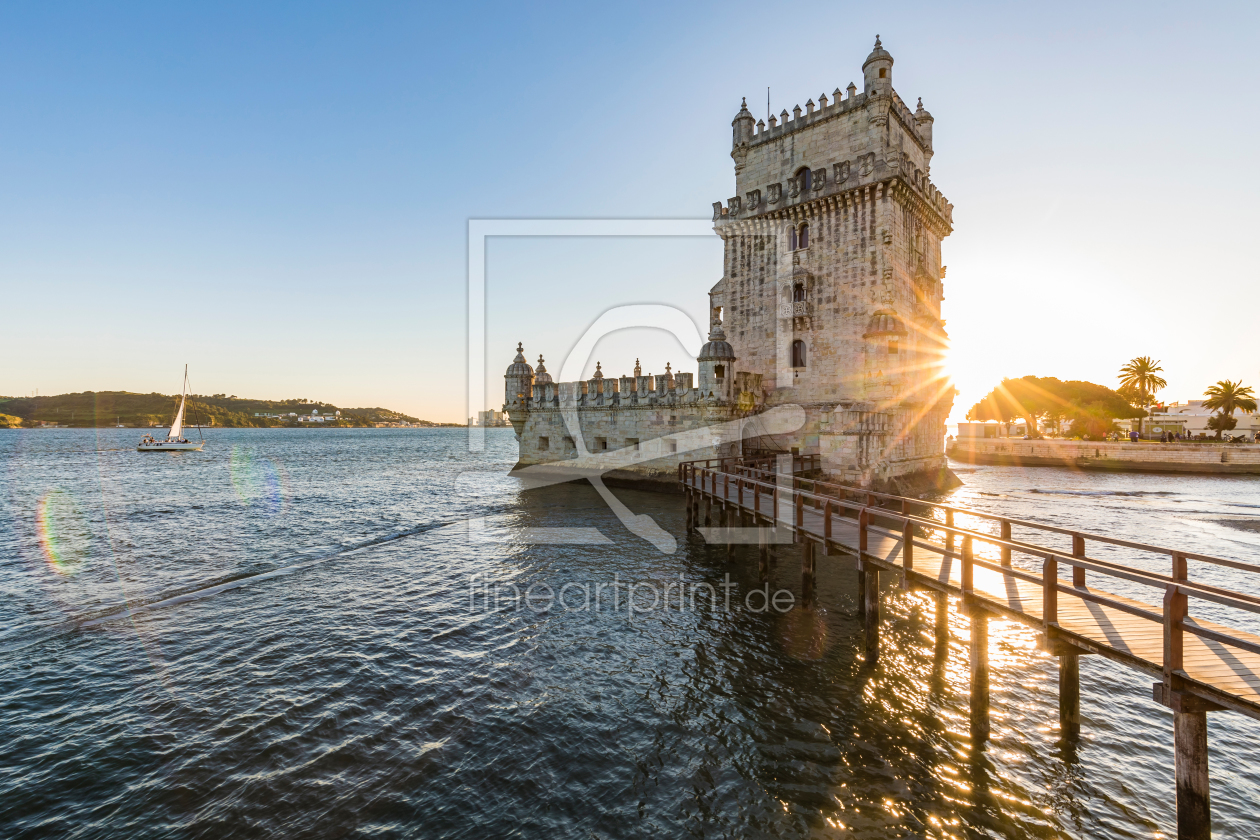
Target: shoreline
{"x": 1112, "y": 456}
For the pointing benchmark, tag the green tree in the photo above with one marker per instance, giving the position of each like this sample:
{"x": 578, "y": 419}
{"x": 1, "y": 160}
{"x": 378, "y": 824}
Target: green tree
{"x": 1093, "y": 422}
{"x": 1139, "y": 381}
{"x": 1044, "y": 397}
{"x": 1225, "y": 398}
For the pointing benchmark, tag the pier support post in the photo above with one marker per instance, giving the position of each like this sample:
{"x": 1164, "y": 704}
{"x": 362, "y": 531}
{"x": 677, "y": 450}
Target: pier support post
{"x": 979, "y": 675}
{"x": 1194, "y": 816}
{"x": 807, "y": 571}
{"x": 687, "y": 501}
{"x": 1190, "y": 757}
{"x": 708, "y": 512}
{"x": 763, "y": 551}
{"x": 1070, "y": 694}
{"x": 868, "y": 588}
{"x": 942, "y": 619}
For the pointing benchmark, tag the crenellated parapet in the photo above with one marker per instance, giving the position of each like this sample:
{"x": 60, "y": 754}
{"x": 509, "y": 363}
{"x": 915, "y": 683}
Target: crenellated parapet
{"x": 625, "y": 391}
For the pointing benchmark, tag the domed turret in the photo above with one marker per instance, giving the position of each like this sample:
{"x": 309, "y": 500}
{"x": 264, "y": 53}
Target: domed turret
{"x": 717, "y": 365}
{"x": 923, "y": 122}
{"x": 717, "y": 348}
{"x": 519, "y": 366}
{"x": 518, "y": 382}
{"x": 742, "y": 126}
{"x": 541, "y": 377}
{"x": 877, "y": 70}
{"x": 884, "y": 323}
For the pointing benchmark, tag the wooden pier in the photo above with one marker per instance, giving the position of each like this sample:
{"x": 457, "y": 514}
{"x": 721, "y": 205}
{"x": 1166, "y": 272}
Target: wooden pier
{"x": 1201, "y": 666}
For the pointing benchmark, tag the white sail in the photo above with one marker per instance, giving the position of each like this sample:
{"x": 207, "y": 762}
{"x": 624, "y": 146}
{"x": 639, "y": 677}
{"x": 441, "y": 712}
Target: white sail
{"x": 177, "y": 428}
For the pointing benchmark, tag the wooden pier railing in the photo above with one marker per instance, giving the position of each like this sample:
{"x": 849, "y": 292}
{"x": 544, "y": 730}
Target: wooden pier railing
{"x": 1201, "y": 666}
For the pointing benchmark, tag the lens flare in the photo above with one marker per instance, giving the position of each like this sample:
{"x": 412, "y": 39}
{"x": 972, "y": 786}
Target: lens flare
{"x": 63, "y": 533}
{"x": 258, "y": 481}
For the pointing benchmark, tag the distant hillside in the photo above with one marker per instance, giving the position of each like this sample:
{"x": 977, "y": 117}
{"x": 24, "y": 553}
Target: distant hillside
{"x": 107, "y": 408}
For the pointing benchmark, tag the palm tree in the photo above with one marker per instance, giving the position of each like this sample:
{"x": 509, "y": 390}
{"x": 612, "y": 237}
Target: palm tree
{"x": 1139, "y": 377}
{"x": 1225, "y": 398}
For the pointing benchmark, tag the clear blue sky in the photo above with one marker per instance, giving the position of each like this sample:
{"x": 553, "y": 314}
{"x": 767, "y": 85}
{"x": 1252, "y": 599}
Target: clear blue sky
{"x": 278, "y": 193}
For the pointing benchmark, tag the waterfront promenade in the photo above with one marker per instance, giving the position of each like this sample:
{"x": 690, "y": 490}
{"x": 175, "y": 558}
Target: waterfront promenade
{"x": 1205, "y": 457}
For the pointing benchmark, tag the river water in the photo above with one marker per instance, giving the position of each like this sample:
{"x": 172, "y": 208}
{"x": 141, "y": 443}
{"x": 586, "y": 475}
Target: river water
{"x": 292, "y": 634}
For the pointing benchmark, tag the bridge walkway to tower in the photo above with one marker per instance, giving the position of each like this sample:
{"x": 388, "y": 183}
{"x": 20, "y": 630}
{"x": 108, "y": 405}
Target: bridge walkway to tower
{"x": 1201, "y": 665}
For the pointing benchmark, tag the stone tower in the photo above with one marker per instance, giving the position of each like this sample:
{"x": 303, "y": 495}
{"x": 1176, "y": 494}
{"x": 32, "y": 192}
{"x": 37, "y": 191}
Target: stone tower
{"x": 832, "y": 277}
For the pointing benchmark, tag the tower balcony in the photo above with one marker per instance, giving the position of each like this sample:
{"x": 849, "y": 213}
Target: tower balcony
{"x": 795, "y": 309}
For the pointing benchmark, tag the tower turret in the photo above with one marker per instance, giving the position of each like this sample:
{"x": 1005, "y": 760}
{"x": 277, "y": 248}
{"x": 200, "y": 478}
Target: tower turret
{"x": 717, "y": 366}
{"x": 923, "y": 122}
{"x": 518, "y": 389}
{"x": 877, "y": 71}
{"x": 742, "y": 126}
{"x": 541, "y": 377}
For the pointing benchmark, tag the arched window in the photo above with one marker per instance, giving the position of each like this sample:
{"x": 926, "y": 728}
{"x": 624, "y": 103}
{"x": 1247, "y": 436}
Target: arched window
{"x": 894, "y": 346}
{"x": 719, "y": 372}
{"x": 791, "y": 239}
{"x": 798, "y": 354}
{"x": 805, "y": 178}
{"x": 803, "y": 236}
{"x": 798, "y": 292}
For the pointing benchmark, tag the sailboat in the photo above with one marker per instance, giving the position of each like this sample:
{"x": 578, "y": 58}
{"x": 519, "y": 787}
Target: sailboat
{"x": 175, "y": 441}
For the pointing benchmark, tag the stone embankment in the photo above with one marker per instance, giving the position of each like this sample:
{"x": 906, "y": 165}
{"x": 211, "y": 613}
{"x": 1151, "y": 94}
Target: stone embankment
{"x": 1218, "y": 458}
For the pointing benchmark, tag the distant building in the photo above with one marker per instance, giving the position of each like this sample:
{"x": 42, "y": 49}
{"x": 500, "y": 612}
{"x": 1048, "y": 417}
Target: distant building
{"x": 490, "y": 419}
{"x": 1191, "y": 418}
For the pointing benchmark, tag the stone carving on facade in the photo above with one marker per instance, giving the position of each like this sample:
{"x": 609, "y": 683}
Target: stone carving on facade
{"x": 754, "y": 199}
{"x": 734, "y": 204}
{"x": 866, "y": 164}
{"x": 718, "y": 210}
{"x": 775, "y": 193}
{"x": 820, "y": 179}
{"x": 841, "y": 172}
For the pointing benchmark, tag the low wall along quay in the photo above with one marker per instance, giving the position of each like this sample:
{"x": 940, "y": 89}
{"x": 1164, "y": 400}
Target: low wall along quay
{"x": 1110, "y": 455}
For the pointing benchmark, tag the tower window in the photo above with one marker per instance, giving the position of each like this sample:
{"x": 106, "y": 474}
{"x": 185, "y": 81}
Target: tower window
{"x": 883, "y": 72}
{"x": 804, "y": 236}
{"x": 893, "y": 347}
{"x": 805, "y": 178}
{"x": 544, "y": 443}
{"x": 719, "y": 371}
{"x": 798, "y": 292}
{"x": 798, "y": 353}
{"x": 791, "y": 239}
